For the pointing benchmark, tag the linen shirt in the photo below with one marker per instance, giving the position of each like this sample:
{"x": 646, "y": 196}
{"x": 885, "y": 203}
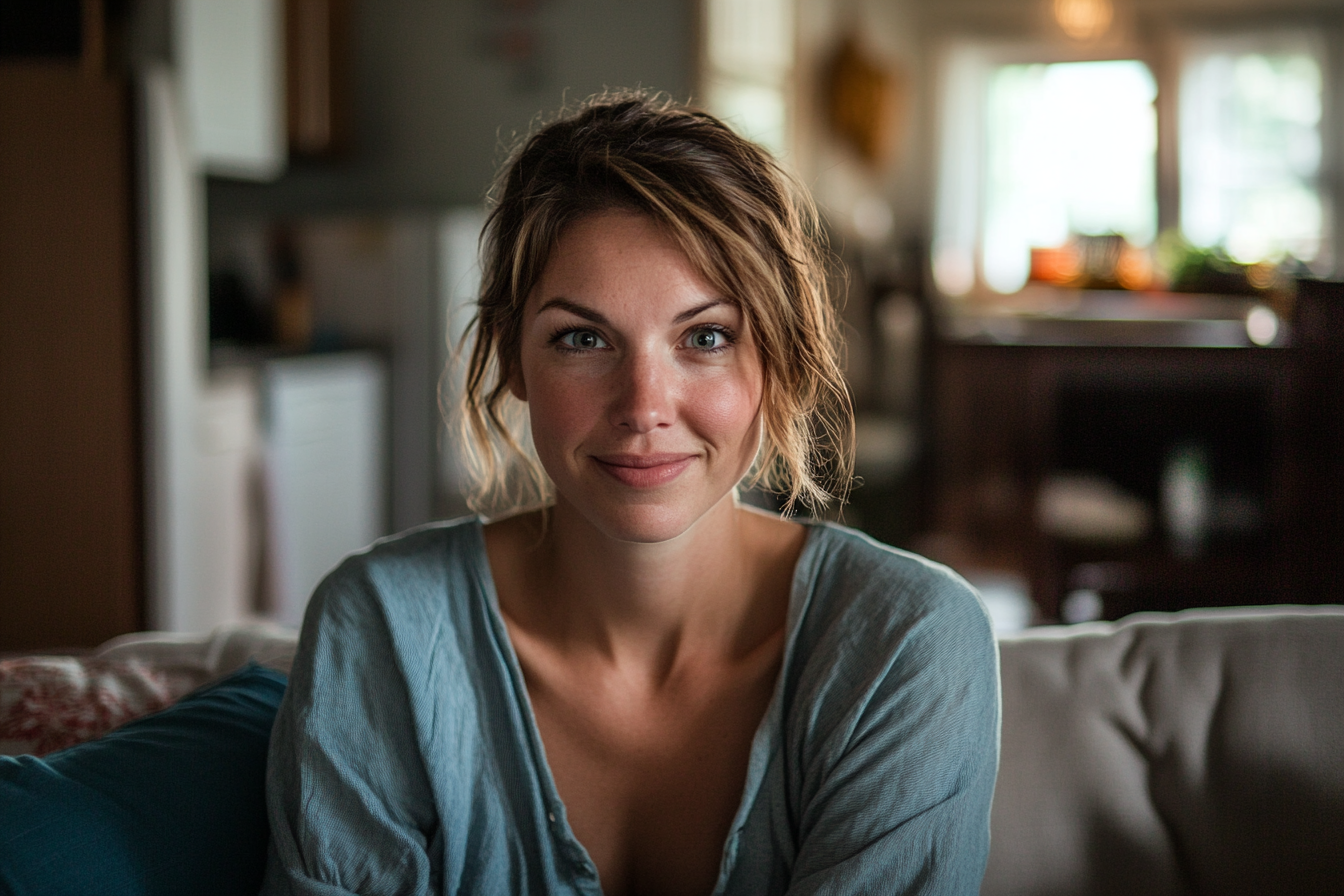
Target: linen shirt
{"x": 405, "y": 757}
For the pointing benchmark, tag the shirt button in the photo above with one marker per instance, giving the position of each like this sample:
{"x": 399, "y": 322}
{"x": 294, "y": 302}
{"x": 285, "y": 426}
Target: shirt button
{"x": 551, "y": 816}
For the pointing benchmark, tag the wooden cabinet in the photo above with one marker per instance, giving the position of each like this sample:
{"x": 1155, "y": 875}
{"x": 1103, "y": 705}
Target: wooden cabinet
{"x": 70, "y": 523}
{"x": 1008, "y": 418}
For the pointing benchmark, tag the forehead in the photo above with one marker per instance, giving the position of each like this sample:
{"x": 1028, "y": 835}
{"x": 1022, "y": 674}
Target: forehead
{"x": 619, "y": 256}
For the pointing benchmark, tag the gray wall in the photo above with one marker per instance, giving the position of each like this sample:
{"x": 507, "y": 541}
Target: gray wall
{"x": 435, "y": 104}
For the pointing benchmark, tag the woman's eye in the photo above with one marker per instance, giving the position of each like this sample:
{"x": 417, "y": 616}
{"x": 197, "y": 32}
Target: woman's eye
{"x": 707, "y": 340}
{"x": 582, "y": 339}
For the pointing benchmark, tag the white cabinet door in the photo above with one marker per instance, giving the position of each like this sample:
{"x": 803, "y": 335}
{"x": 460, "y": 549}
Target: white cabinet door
{"x": 230, "y": 54}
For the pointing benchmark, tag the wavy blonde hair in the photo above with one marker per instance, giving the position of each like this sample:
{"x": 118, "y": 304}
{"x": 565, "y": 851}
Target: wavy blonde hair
{"x": 746, "y": 226}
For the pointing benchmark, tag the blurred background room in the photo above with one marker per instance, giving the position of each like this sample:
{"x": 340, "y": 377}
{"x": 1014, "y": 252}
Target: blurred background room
{"x": 1087, "y": 253}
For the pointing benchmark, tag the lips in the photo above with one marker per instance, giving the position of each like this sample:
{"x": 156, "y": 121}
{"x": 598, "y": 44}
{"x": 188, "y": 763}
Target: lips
{"x": 643, "y": 470}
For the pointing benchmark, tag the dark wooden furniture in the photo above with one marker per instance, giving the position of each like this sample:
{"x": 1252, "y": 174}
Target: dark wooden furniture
{"x": 1005, "y": 417}
{"x": 70, "y": 519}
{"x": 317, "y": 98}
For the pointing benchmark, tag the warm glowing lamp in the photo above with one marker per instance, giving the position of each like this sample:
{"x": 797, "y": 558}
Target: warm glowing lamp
{"x": 1083, "y": 19}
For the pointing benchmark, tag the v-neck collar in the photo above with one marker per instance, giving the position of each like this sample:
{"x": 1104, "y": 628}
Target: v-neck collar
{"x": 763, "y": 743}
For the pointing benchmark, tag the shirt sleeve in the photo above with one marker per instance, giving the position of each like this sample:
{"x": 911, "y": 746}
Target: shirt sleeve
{"x": 897, "y": 792}
{"x": 348, "y": 798}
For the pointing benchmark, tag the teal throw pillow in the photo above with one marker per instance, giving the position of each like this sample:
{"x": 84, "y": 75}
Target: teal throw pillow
{"x": 172, "y": 803}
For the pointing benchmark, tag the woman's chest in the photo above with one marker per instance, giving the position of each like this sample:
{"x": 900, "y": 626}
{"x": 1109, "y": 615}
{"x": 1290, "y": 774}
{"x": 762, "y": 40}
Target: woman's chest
{"x": 651, "y": 785}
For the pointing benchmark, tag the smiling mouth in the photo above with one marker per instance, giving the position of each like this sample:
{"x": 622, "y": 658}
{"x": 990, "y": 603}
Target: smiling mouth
{"x": 644, "y": 470}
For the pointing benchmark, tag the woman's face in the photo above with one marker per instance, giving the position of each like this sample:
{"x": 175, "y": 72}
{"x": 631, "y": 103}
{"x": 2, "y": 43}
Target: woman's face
{"x": 643, "y": 383}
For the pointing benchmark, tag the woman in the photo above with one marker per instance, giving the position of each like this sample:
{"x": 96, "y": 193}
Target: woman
{"x": 642, "y": 686}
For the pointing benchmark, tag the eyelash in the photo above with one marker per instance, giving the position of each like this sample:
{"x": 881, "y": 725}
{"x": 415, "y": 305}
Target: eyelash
{"x": 565, "y": 331}
{"x": 729, "y": 338}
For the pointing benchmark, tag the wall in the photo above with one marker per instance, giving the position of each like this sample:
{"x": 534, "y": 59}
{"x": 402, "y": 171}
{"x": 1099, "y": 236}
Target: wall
{"x": 888, "y": 34}
{"x": 435, "y": 100}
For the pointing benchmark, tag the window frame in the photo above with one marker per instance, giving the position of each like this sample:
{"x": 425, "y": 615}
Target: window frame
{"x": 957, "y": 199}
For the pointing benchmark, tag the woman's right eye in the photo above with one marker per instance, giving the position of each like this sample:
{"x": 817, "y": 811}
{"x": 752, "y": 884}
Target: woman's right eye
{"x": 581, "y": 340}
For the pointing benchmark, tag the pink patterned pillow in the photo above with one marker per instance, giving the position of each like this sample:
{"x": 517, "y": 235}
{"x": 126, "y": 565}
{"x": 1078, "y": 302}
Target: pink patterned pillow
{"x": 48, "y": 703}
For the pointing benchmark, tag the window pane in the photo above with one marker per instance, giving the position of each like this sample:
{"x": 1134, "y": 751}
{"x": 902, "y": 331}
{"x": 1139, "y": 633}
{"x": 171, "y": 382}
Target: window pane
{"x": 1071, "y": 149}
{"x": 1251, "y": 151}
{"x": 746, "y": 67}
{"x": 756, "y": 112}
{"x": 750, "y": 38}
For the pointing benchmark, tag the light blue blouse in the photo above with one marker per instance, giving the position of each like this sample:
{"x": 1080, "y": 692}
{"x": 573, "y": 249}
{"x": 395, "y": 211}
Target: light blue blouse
{"x": 405, "y": 757}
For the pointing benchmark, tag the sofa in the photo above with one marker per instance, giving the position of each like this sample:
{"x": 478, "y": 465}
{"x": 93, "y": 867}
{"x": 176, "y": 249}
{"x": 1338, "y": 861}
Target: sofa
{"x": 1199, "y": 752}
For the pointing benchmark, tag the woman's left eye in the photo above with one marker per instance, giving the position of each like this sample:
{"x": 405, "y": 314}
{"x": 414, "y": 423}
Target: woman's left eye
{"x": 580, "y": 340}
{"x": 706, "y": 339}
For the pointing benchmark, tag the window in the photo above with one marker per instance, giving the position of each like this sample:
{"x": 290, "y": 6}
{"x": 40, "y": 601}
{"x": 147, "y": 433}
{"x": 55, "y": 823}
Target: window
{"x": 1250, "y": 147}
{"x": 1071, "y": 148}
{"x": 1037, "y": 156}
{"x": 749, "y": 56}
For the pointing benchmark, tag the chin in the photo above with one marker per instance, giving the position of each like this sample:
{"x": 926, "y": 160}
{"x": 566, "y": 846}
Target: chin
{"x": 644, "y": 525}
{"x": 652, "y": 522}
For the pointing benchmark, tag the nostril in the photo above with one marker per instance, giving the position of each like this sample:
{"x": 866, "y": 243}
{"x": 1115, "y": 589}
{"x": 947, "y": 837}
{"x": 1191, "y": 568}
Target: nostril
{"x": 642, "y": 419}
{"x": 645, "y": 402}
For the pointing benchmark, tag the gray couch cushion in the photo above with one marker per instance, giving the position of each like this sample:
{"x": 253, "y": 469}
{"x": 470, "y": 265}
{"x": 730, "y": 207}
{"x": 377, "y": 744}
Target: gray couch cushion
{"x": 1197, "y": 752}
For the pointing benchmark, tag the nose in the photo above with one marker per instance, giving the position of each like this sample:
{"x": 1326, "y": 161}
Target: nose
{"x": 645, "y": 398}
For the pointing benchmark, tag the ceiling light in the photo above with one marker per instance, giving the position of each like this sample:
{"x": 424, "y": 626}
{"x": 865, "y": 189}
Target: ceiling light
{"x": 1084, "y": 19}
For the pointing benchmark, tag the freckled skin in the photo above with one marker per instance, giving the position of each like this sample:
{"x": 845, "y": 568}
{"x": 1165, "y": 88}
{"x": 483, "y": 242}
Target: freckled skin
{"x": 646, "y": 391}
{"x": 647, "y": 611}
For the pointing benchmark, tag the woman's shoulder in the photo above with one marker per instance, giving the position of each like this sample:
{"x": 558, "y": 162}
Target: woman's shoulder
{"x": 404, "y": 575}
{"x": 432, "y": 549}
{"x": 851, "y": 573}
{"x": 869, "y": 608}
{"x": 886, "y": 631}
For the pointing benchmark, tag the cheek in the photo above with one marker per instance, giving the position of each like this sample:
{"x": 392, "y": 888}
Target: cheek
{"x": 559, "y": 409}
{"x": 729, "y": 407}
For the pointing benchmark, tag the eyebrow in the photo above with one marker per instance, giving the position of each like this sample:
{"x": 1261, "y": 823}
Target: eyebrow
{"x": 588, "y": 314}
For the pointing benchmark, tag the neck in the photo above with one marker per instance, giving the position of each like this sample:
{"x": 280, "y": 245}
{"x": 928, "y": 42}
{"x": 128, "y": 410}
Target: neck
{"x": 648, "y": 607}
